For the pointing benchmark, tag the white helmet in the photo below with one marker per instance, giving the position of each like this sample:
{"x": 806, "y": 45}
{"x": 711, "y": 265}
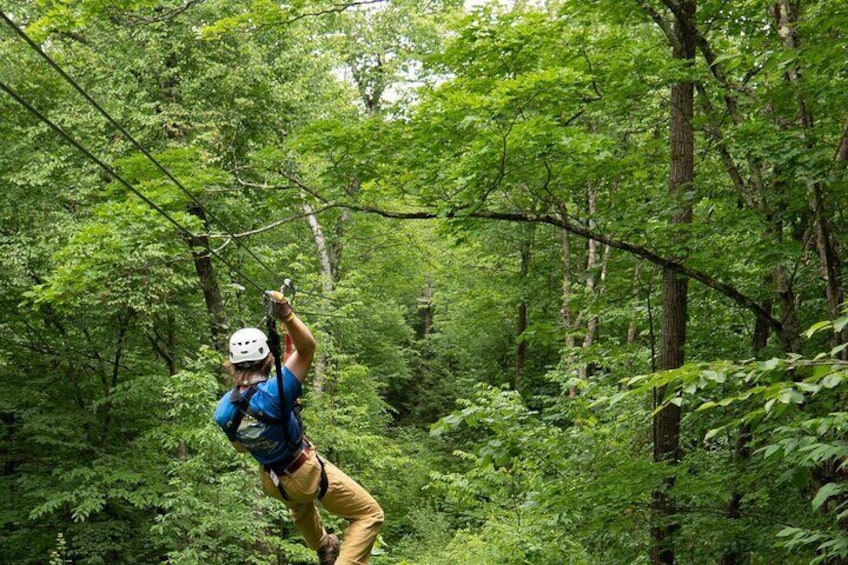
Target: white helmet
{"x": 248, "y": 344}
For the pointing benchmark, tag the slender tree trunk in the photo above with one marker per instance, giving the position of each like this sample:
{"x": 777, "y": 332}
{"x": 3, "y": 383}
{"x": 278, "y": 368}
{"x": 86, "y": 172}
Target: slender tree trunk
{"x": 842, "y": 149}
{"x": 594, "y": 281}
{"x": 790, "y": 340}
{"x": 209, "y": 284}
{"x": 786, "y": 15}
{"x": 425, "y": 309}
{"x": 120, "y": 343}
{"x": 521, "y": 326}
{"x": 371, "y": 87}
{"x": 319, "y": 374}
{"x": 565, "y": 311}
{"x": 199, "y": 244}
{"x": 666, "y": 425}
{"x": 591, "y": 265}
{"x": 324, "y": 260}
{"x": 597, "y": 289}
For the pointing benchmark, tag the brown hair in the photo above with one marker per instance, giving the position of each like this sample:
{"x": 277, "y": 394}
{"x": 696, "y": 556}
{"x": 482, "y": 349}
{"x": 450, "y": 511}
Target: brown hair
{"x": 242, "y": 372}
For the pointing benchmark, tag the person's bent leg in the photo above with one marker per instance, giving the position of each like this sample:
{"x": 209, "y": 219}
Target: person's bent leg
{"x": 302, "y": 509}
{"x": 346, "y": 498}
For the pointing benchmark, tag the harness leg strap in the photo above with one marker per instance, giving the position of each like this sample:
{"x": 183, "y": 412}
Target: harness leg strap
{"x": 325, "y": 483}
{"x": 282, "y": 491}
{"x": 277, "y": 483}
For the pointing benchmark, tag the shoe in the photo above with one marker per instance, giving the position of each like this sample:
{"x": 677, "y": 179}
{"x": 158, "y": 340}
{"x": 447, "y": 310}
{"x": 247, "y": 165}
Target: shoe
{"x": 328, "y": 552}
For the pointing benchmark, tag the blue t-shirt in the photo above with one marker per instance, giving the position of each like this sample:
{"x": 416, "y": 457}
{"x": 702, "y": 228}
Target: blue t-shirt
{"x": 267, "y": 443}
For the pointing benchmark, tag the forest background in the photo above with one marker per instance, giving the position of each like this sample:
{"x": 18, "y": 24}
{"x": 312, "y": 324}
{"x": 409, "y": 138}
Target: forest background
{"x": 574, "y": 268}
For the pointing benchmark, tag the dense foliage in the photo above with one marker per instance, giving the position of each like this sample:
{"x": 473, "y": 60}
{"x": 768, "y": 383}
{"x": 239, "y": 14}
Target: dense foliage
{"x": 475, "y": 204}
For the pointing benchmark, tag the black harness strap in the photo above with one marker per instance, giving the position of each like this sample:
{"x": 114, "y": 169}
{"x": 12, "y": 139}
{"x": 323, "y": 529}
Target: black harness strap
{"x": 325, "y": 483}
{"x": 244, "y": 408}
{"x": 322, "y": 489}
{"x": 274, "y": 346}
{"x": 243, "y": 405}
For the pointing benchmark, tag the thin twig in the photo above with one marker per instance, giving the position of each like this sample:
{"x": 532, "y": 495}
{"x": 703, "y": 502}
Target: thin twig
{"x": 336, "y": 9}
{"x": 272, "y": 225}
{"x": 170, "y": 15}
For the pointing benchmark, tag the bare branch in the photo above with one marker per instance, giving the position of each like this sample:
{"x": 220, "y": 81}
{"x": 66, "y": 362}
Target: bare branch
{"x": 304, "y": 187}
{"x": 261, "y": 186}
{"x": 272, "y": 225}
{"x": 165, "y": 16}
{"x": 564, "y": 223}
{"x": 661, "y": 21}
{"x": 714, "y": 130}
{"x": 595, "y": 86}
{"x": 334, "y": 9}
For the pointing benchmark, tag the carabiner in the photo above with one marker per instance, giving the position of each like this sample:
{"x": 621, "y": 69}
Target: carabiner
{"x": 288, "y": 285}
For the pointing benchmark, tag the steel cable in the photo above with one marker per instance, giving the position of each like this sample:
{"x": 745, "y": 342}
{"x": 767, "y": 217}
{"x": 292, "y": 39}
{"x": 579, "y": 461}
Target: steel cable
{"x": 82, "y": 149}
{"x": 135, "y": 142}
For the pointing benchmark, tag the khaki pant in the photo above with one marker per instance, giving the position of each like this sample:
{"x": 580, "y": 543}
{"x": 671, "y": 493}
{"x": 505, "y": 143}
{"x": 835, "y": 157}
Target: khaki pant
{"x": 344, "y": 498}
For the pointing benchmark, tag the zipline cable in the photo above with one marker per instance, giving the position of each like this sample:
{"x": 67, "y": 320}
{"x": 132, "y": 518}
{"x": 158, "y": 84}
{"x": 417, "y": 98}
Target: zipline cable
{"x": 115, "y": 175}
{"x": 126, "y": 134}
{"x": 147, "y": 154}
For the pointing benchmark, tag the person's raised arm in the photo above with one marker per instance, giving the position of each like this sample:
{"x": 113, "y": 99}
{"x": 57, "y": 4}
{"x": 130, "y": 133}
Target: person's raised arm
{"x": 304, "y": 343}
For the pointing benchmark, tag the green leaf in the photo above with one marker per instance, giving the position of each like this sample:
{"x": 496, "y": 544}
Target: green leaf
{"x": 769, "y": 404}
{"x": 838, "y": 349}
{"x": 790, "y": 396}
{"x": 808, "y": 387}
{"x": 817, "y": 327}
{"x": 825, "y": 492}
{"x": 789, "y": 531}
{"x": 832, "y": 380}
{"x": 770, "y": 450}
{"x": 712, "y": 433}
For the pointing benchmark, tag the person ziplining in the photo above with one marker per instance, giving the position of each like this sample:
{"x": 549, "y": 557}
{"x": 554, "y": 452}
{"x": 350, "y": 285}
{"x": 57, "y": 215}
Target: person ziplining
{"x": 261, "y": 415}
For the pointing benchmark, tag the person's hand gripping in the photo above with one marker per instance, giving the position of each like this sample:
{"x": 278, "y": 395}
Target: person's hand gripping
{"x": 280, "y": 306}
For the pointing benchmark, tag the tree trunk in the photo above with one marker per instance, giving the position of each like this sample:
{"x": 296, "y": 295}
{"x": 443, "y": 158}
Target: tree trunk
{"x": 324, "y": 260}
{"x": 425, "y": 309}
{"x": 327, "y": 274}
{"x": 209, "y": 284}
{"x": 565, "y": 311}
{"x": 591, "y": 279}
{"x": 786, "y": 15}
{"x": 790, "y": 340}
{"x": 521, "y": 326}
{"x": 666, "y": 425}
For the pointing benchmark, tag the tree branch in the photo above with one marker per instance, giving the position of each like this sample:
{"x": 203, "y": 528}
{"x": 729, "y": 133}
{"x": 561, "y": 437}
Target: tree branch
{"x": 724, "y": 288}
{"x": 562, "y": 222}
{"x": 169, "y": 15}
{"x": 273, "y": 225}
{"x": 660, "y": 20}
{"x": 334, "y": 9}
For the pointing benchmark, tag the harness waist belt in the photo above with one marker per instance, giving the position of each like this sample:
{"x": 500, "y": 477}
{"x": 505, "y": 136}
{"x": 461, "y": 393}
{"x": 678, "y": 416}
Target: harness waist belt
{"x": 290, "y": 465}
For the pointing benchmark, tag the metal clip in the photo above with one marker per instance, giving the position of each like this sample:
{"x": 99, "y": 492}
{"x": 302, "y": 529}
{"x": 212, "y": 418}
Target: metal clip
{"x": 288, "y": 285}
